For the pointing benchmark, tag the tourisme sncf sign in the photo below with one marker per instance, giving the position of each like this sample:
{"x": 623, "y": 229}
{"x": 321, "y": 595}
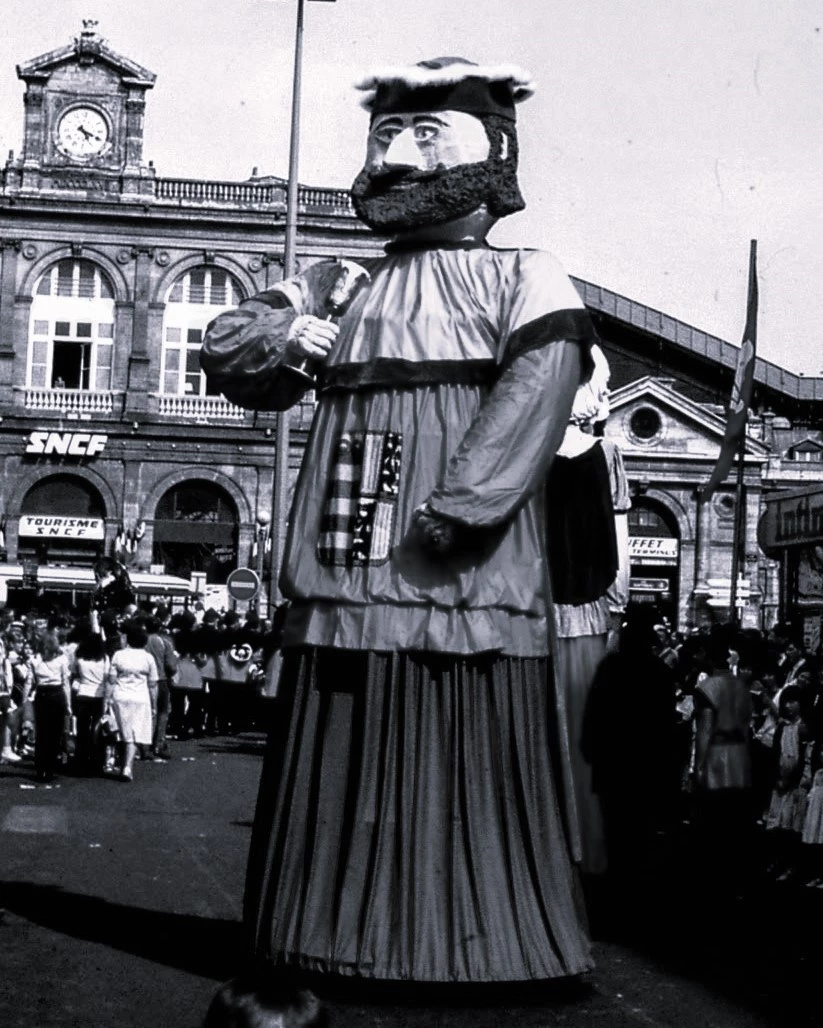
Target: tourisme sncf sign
{"x": 67, "y": 444}
{"x": 44, "y": 526}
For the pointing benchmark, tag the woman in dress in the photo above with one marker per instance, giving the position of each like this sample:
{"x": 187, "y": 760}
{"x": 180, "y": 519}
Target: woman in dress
{"x": 587, "y": 498}
{"x": 132, "y": 676}
{"x": 52, "y": 704}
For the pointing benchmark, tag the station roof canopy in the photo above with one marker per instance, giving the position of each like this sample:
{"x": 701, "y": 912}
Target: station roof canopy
{"x": 771, "y": 381}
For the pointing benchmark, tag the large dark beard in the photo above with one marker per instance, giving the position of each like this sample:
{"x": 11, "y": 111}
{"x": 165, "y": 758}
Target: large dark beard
{"x": 392, "y": 201}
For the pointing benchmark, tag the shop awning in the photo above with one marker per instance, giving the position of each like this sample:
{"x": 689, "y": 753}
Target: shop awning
{"x": 145, "y": 583}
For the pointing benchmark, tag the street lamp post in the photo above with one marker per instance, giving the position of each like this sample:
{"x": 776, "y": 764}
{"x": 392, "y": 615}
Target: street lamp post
{"x": 262, "y": 534}
{"x": 280, "y": 498}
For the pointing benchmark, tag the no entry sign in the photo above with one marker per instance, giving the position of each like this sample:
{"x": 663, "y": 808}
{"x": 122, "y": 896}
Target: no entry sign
{"x": 243, "y": 584}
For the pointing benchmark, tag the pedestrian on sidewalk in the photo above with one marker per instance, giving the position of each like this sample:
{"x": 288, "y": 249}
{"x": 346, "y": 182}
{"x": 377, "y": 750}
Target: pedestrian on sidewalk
{"x": 787, "y": 810}
{"x": 812, "y": 835}
{"x": 724, "y": 810}
{"x": 8, "y": 711}
{"x": 88, "y": 684}
{"x": 132, "y": 677}
{"x": 52, "y": 704}
{"x": 160, "y": 647}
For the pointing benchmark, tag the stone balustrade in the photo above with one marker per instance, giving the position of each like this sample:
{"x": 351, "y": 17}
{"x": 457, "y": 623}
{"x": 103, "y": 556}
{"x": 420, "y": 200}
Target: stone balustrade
{"x": 182, "y": 192}
{"x": 198, "y": 408}
{"x": 73, "y": 402}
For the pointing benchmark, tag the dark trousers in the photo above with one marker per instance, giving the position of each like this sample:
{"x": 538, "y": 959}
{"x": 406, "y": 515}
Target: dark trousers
{"x": 177, "y": 711}
{"x": 50, "y": 712}
{"x": 88, "y": 710}
{"x": 724, "y": 823}
{"x": 161, "y": 720}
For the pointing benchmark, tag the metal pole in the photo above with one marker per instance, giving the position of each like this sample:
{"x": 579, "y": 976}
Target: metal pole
{"x": 750, "y": 335}
{"x": 739, "y": 526}
{"x": 280, "y": 498}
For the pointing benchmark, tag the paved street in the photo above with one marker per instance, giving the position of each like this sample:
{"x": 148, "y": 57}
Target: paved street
{"x": 122, "y": 909}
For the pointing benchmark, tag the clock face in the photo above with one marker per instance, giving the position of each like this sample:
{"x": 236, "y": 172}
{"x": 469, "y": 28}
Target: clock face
{"x": 83, "y": 132}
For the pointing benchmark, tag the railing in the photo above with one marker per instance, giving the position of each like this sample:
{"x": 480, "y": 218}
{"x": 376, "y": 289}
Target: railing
{"x": 70, "y": 401}
{"x": 249, "y": 194}
{"x": 336, "y": 199}
{"x": 182, "y": 190}
{"x": 198, "y": 408}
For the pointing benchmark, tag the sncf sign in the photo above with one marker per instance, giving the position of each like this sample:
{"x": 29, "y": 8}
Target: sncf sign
{"x": 70, "y": 444}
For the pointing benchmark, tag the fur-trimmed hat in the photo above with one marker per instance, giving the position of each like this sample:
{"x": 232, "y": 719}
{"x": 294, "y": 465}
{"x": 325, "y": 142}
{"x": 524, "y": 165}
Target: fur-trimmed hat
{"x": 446, "y": 84}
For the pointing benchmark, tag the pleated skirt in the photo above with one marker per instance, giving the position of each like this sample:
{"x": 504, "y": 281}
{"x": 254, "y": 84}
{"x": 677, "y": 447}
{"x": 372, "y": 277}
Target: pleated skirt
{"x": 577, "y": 661}
{"x": 408, "y": 825}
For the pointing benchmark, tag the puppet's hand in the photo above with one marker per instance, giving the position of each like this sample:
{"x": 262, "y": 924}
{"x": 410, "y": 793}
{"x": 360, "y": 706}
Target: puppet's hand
{"x": 433, "y": 533}
{"x": 310, "y": 337}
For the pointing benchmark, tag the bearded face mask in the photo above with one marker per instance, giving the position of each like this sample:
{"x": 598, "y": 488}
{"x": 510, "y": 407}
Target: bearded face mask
{"x": 426, "y": 168}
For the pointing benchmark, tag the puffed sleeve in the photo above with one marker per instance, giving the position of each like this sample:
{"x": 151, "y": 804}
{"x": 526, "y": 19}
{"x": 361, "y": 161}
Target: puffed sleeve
{"x": 243, "y": 350}
{"x": 617, "y": 477}
{"x": 546, "y": 336}
{"x": 151, "y": 670}
{"x": 510, "y": 445}
{"x": 619, "y": 591}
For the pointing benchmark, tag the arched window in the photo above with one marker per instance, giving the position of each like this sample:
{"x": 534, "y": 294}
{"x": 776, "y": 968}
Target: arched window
{"x": 649, "y": 520}
{"x": 195, "y": 529}
{"x": 194, "y": 299}
{"x": 71, "y": 336}
{"x": 66, "y": 495}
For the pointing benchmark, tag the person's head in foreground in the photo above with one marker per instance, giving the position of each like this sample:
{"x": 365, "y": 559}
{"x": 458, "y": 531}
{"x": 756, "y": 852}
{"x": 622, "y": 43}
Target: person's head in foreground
{"x": 255, "y": 1001}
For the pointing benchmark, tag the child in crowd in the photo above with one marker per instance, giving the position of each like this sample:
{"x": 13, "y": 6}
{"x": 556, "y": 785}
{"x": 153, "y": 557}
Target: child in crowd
{"x": 8, "y": 711}
{"x": 812, "y": 836}
{"x": 787, "y": 809}
{"x": 250, "y": 1001}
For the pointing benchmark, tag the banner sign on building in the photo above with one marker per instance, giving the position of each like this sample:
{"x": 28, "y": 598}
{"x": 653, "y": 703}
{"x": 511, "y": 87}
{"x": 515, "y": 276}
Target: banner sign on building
{"x": 649, "y": 549}
{"x": 792, "y": 519}
{"x": 44, "y": 526}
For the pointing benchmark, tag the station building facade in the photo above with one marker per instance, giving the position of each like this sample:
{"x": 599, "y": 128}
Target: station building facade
{"x": 111, "y": 440}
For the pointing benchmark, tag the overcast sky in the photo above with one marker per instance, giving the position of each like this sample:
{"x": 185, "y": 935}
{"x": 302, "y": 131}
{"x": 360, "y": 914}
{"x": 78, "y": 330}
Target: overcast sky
{"x": 665, "y": 134}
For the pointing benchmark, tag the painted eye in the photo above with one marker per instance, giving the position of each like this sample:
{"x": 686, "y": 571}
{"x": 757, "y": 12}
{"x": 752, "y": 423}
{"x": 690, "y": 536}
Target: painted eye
{"x": 386, "y": 133}
{"x": 425, "y": 133}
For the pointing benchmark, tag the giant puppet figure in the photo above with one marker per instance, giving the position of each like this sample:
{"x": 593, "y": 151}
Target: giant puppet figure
{"x": 409, "y": 822}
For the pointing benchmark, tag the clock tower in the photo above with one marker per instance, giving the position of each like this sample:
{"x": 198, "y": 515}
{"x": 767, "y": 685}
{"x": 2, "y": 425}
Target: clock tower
{"x": 83, "y": 131}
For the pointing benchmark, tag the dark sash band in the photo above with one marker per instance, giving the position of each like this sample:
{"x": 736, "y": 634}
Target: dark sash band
{"x": 390, "y": 373}
{"x": 572, "y": 324}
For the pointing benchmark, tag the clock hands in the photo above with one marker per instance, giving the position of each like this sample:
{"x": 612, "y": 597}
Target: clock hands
{"x": 90, "y": 135}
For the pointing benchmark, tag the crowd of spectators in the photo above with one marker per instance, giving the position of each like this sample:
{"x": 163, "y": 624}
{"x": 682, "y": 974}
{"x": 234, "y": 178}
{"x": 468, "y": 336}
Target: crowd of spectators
{"x": 719, "y": 729}
{"x": 94, "y": 694}
{"x": 716, "y": 732}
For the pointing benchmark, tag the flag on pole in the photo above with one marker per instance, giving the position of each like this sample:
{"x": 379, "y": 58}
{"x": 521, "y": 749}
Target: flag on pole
{"x": 742, "y": 389}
